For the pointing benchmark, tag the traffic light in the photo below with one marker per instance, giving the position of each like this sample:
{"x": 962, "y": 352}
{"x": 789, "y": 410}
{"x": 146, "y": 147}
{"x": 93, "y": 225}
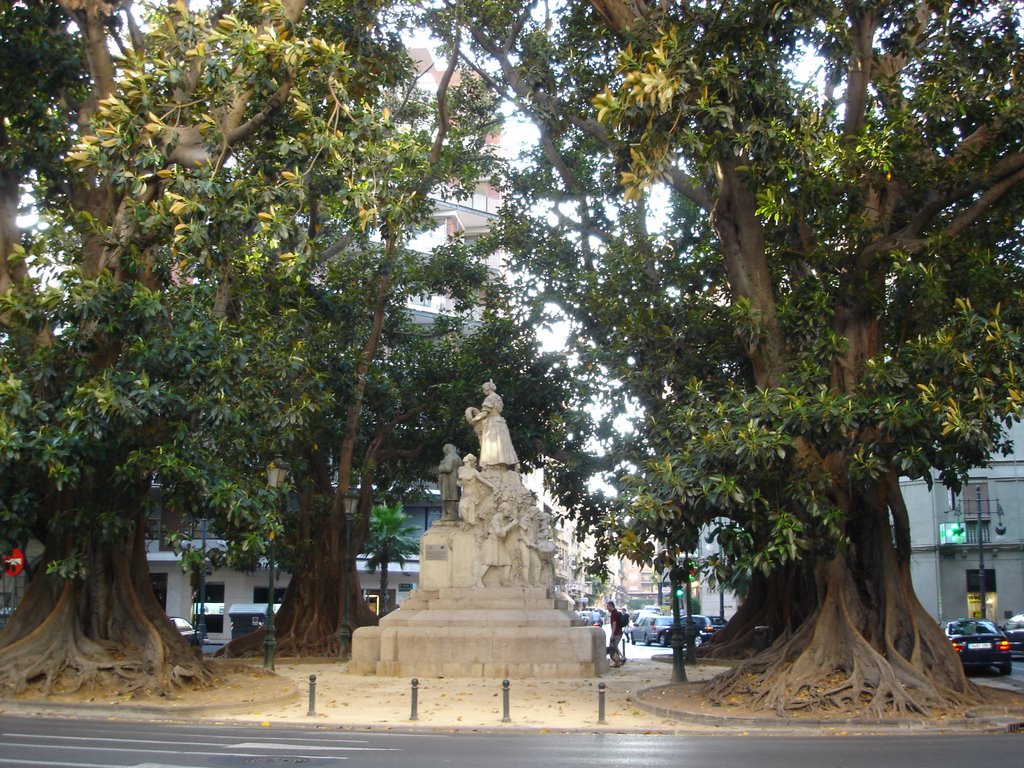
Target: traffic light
{"x": 680, "y": 591}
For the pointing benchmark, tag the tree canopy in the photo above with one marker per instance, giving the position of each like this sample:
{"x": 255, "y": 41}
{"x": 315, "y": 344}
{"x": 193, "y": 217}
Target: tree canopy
{"x": 217, "y": 274}
{"x": 789, "y": 236}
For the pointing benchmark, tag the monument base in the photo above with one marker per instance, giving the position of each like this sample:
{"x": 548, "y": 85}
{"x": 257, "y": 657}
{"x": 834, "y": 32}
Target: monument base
{"x": 500, "y": 632}
{"x": 485, "y": 606}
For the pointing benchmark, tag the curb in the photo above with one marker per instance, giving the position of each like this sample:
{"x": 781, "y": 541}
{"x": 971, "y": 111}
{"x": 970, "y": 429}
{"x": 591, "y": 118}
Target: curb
{"x": 168, "y": 711}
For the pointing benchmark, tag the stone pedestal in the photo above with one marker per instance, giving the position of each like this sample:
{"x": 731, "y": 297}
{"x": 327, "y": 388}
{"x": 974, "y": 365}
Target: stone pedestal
{"x": 450, "y": 627}
{"x": 499, "y": 632}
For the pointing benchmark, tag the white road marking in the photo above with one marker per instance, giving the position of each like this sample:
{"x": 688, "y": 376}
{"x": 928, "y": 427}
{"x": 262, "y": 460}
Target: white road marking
{"x": 285, "y": 745}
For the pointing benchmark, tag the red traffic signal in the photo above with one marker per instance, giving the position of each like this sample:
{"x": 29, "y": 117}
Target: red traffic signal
{"x": 14, "y": 563}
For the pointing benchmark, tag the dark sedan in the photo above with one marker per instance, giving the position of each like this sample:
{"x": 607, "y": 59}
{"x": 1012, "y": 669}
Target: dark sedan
{"x": 1014, "y": 631}
{"x": 980, "y": 644}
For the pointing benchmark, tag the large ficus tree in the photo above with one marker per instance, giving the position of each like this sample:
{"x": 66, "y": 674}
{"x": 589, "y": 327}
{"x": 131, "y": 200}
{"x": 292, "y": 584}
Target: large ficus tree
{"x": 150, "y": 324}
{"x": 137, "y": 142}
{"x": 823, "y": 296}
{"x": 218, "y": 278}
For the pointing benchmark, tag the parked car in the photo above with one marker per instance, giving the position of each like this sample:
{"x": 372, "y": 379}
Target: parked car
{"x": 593, "y": 618}
{"x": 635, "y": 618}
{"x": 636, "y": 629}
{"x": 190, "y": 633}
{"x": 658, "y": 629}
{"x": 653, "y": 629}
{"x": 980, "y": 644}
{"x": 1014, "y": 631}
{"x": 703, "y": 627}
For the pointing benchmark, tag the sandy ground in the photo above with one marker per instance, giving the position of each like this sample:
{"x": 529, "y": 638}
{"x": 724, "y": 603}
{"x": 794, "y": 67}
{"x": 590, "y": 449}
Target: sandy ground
{"x": 359, "y": 700}
{"x": 244, "y": 691}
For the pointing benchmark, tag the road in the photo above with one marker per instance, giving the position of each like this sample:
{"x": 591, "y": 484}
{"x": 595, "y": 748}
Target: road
{"x": 72, "y": 743}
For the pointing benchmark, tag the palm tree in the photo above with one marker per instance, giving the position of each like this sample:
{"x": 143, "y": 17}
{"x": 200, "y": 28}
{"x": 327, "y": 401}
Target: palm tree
{"x": 392, "y": 540}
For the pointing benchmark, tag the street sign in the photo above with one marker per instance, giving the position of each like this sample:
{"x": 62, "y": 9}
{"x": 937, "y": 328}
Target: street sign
{"x": 14, "y": 563}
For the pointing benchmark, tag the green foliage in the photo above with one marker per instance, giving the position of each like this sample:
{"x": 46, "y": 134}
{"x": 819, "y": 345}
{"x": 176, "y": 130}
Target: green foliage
{"x": 824, "y": 291}
{"x": 221, "y": 222}
{"x": 393, "y": 539}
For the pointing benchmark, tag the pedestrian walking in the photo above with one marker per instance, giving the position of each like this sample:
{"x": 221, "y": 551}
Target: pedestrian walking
{"x": 615, "y": 623}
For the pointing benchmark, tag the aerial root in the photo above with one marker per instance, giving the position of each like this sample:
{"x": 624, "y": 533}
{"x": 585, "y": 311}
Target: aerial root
{"x": 860, "y": 684}
{"x": 51, "y": 667}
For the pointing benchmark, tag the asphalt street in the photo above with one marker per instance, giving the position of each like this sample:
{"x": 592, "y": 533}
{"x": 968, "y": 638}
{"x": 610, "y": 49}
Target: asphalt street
{"x": 80, "y": 743}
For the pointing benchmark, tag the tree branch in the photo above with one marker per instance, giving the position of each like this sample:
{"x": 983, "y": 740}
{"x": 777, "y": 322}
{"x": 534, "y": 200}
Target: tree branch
{"x": 92, "y": 18}
{"x": 444, "y": 120}
{"x": 992, "y": 187}
{"x": 251, "y": 125}
{"x": 621, "y": 15}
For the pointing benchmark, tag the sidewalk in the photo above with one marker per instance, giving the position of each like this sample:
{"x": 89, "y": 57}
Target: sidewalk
{"x": 638, "y": 697}
{"x": 473, "y": 703}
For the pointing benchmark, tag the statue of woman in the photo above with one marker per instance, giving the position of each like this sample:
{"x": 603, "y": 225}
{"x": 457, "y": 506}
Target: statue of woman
{"x": 495, "y": 442}
{"x": 476, "y": 491}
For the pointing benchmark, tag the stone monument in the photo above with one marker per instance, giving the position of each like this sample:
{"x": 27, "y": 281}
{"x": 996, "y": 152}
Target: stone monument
{"x": 486, "y": 605}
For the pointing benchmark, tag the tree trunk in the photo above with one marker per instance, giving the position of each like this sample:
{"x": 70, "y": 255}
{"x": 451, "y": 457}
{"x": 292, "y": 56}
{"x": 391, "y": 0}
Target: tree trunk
{"x": 868, "y": 646}
{"x": 781, "y": 600}
{"x": 104, "y": 632}
{"x": 310, "y": 617}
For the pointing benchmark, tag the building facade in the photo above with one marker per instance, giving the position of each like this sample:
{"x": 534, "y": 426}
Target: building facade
{"x": 968, "y": 548}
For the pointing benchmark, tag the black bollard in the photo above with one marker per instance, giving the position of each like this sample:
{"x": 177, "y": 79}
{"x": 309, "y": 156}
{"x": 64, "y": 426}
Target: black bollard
{"x": 601, "y": 687}
{"x": 415, "y": 699}
{"x": 312, "y": 696}
{"x": 504, "y": 702}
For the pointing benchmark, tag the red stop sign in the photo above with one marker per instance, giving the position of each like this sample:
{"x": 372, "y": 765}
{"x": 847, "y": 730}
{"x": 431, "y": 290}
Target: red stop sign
{"x": 14, "y": 563}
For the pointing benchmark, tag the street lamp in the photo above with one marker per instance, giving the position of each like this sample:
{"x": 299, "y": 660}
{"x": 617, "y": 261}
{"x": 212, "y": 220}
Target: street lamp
{"x": 688, "y": 575}
{"x": 351, "y": 502}
{"x": 277, "y": 471}
{"x": 1000, "y": 530}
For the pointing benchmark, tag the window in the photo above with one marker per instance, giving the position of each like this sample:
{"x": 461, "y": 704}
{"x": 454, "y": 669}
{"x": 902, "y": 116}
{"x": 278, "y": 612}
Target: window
{"x": 259, "y": 595}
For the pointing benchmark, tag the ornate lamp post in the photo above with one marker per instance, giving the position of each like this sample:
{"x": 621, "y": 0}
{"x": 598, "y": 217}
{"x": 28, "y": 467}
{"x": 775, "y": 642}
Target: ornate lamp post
{"x": 345, "y": 630}
{"x": 276, "y": 474}
{"x": 691, "y": 630}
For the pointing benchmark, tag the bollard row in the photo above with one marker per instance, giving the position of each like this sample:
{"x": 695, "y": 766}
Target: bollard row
{"x": 505, "y": 706}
